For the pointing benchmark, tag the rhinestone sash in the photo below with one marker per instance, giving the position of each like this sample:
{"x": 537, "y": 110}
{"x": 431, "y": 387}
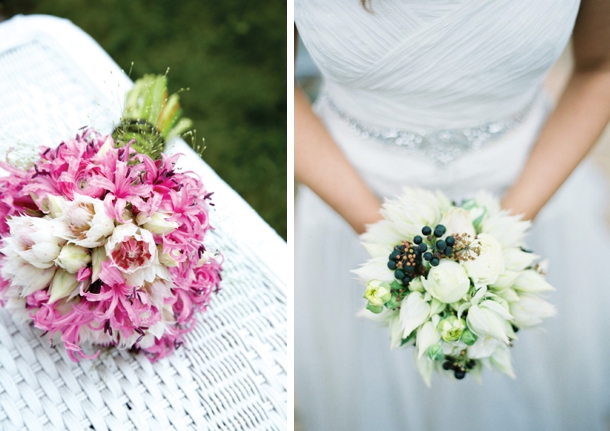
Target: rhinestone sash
{"x": 442, "y": 146}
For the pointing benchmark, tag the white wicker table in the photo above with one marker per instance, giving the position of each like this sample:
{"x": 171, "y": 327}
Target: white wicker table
{"x": 54, "y": 79}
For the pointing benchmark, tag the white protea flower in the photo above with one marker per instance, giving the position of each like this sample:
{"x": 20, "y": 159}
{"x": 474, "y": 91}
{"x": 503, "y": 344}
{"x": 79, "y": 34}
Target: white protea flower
{"x": 414, "y": 311}
{"x": 458, "y": 221}
{"x": 377, "y": 293}
{"x": 489, "y": 319}
{"x": 516, "y": 259}
{"x": 133, "y": 251}
{"x": 488, "y": 264}
{"x": 34, "y": 240}
{"x": 532, "y": 282}
{"x": 403, "y": 218}
{"x": 529, "y": 310}
{"x": 26, "y": 278}
{"x": 508, "y": 230}
{"x": 375, "y": 269}
{"x": 84, "y": 222}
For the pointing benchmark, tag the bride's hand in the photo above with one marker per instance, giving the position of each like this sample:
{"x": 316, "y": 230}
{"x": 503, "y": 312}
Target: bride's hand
{"x": 582, "y": 113}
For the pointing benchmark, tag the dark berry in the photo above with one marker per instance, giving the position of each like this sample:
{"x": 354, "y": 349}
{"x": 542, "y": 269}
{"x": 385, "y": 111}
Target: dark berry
{"x": 392, "y": 265}
{"x": 434, "y": 261}
{"x": 471, "y": 363}
{"x": 459, "y": 374}
{"x": 409, "y": 269}
{"x": 399, "y": 274}
{"x": 394, "y": 255}
{"x": 417, "y": 239}
{"x": 438, "y": 232}
{"x": 441, "y": 245}
{"x": 441, "y": 228}
{"x": 428, "y": 255}
{"x": 450, "y": 241}
{"x": 426, "y": 230}
{"x": 406, "y": 280}
{"x": 422, "y": 247}
{"x": 447, "y": 365}
{"x": 448, "y": 251}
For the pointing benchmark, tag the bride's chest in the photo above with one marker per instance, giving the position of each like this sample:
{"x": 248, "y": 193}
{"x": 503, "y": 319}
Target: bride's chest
{"x": 467, "y": 37}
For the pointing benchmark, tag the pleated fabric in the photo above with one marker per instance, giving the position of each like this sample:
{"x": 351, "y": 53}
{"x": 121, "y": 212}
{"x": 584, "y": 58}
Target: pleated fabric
{"x": 422, "y": 66}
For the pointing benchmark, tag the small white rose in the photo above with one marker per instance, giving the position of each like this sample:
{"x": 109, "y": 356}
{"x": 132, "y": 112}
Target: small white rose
{"x": 73, "y": 257}
{"x": 377, "y": 293}
{"x": 447, "y": 282}
{"x": 489, "y": 264}
{"x": 458, "y": 221}
{"x": 416, "y": 285}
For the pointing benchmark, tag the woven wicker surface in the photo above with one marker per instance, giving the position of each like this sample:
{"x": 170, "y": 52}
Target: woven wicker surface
{"x": 231, "y": 374}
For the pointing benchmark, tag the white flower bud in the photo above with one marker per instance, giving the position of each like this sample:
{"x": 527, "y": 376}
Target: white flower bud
{"x": 532, "y": 282}
{"x": 416, "y": 285}
{"x": 98, "y": 256}
{"x": 489, "y": 318}
{"x": 167, "y": 259}
{"x": 62, "y": 285}
{"x": 72, "y": 258}
{"x": 158, "y": 224}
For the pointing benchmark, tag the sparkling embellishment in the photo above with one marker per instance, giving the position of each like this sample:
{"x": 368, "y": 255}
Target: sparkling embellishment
{"x": 442, "y": 146}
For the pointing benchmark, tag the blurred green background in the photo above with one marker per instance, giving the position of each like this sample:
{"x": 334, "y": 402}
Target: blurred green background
{"x": 232, "y": 56}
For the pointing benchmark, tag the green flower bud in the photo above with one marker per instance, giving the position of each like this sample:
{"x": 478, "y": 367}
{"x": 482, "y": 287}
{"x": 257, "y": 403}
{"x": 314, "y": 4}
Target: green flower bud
{"x": 468, "y": 337}
{"x": 392, "y": 304}
{"x": 377, "y": 293}
{"x": 435, "y": 352}
{"x": 374, "y": 308}
{"x": 451, "y": 328}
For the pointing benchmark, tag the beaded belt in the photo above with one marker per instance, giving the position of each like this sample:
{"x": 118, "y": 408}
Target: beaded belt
{"x": 442, "y": 146}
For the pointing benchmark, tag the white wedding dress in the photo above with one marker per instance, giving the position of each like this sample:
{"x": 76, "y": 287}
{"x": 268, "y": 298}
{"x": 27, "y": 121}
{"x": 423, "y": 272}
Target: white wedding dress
{"x": 446, "y": 94}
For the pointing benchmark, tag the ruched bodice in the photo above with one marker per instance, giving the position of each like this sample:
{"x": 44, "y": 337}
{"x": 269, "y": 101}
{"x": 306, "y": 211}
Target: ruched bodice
{"x": 434, "y": 64}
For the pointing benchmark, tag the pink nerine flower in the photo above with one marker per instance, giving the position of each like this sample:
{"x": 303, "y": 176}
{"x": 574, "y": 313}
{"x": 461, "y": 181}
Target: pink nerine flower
{"x": 133, "y": 251}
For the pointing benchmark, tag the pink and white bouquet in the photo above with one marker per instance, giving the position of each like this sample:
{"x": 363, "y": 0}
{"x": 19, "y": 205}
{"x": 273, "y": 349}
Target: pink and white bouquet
{"x": 452, "y": 280}
{"x": 103, "y": 245}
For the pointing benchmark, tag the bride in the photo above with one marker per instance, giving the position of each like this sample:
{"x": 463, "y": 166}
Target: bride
{"x": 447, "y": 94}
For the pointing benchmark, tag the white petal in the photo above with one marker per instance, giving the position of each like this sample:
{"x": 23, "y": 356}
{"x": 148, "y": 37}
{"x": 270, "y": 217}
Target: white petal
{"x": 426, "y": 336}
{"x": 414, "y": 311}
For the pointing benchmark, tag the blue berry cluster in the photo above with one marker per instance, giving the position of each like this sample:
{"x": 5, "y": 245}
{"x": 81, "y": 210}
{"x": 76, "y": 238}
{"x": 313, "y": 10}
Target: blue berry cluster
{"x": 459, "y": 366}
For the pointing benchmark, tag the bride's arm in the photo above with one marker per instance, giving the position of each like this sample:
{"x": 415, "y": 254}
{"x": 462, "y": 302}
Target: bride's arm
{"x": 319, "y": 164}
{"x": 582, "y": 113}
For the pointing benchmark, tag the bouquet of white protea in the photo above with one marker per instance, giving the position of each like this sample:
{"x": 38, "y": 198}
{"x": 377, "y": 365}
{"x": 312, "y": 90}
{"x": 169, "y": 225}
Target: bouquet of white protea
{"x": 453, "y": 280}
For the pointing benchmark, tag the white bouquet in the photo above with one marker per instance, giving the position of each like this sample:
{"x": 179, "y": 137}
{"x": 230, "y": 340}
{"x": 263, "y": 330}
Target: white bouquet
{"x": 452, "y": 280}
